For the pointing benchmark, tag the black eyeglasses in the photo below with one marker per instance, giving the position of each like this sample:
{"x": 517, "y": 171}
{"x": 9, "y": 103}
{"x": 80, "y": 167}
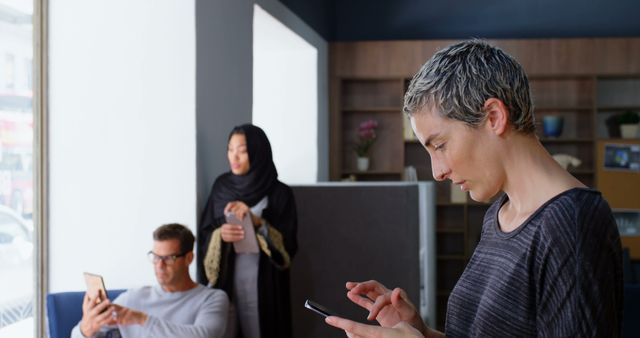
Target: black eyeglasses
{"x": 168, "y": 260}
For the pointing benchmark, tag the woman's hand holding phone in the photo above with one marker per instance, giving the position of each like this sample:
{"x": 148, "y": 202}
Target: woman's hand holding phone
{"x": 238, "y": 208}
{"x": 387, "y": 307}
{"x": 355, "y": 329}
{"x": 232, "y": 232}
{"x": 239, "y": 231}
{"x": 392, "y": 309}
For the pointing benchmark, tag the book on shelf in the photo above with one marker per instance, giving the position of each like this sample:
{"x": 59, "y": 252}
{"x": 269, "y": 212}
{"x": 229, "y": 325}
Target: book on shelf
{"x": 407, "y": 130}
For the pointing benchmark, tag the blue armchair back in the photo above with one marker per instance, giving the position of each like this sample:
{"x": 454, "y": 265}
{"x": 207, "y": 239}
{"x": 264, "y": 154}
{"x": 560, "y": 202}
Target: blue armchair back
{"x": 64, "y": 311}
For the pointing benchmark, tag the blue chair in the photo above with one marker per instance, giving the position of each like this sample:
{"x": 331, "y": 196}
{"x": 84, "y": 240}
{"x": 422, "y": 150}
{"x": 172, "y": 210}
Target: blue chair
{"x": 64, "y": 311}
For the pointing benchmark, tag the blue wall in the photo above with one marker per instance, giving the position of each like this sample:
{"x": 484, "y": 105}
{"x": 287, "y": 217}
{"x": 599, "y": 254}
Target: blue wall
{"x": 319, "y": 14}
{"x": 352, "y": 20}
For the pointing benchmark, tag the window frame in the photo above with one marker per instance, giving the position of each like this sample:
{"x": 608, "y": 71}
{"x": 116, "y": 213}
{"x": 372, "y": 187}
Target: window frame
{"x": 40, "y": 154}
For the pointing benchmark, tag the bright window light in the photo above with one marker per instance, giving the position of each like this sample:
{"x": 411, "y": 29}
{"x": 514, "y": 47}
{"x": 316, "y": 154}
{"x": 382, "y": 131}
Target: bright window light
{"x": 285, "y": 97}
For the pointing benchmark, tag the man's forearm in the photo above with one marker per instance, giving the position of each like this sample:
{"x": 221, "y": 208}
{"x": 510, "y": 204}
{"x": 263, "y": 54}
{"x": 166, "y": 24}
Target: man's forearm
{"x": 156, "y": 327}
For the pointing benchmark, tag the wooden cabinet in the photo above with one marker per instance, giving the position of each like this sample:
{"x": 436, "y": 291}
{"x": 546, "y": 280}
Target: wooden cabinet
{"x": 615, "y": 94}
{"x": 572, "y": 98}
{"x": 379, "y": 99}
{"x": 458, "y": 228}
{"x": 572, "y": 78}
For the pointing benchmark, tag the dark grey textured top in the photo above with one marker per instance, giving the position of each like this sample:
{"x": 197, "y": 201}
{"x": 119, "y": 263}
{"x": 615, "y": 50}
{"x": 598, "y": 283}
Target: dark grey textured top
{"x": 557, "y": 275}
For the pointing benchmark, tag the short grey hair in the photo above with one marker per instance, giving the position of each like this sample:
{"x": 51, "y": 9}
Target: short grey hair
{"x": 457, "y": 81}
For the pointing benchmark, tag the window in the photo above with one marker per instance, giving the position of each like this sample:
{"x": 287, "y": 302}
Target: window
{"x": 285, "y": 94}
{"x": 16, "y": 175}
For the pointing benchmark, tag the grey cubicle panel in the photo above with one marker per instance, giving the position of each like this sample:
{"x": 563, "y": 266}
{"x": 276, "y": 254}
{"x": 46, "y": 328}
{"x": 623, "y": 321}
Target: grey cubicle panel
{"x": 357, "y": 232}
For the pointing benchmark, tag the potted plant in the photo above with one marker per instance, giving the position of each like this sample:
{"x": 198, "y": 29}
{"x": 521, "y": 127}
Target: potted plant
{"x": 366, "y": 138}
{"x": 629, "y": 124}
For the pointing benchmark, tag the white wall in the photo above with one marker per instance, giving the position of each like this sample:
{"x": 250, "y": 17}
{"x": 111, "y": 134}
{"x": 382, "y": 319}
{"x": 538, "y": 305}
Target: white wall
{"x": 122, "y": 135}
{"x": 285, "y": 97}
{"x": 225, "y": 80}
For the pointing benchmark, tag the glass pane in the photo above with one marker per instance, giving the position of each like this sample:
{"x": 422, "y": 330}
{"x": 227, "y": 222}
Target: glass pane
{"x": 16, "y": 169}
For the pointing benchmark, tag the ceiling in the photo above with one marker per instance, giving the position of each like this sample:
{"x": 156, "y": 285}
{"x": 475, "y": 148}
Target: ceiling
{"x": 354, "y": 20}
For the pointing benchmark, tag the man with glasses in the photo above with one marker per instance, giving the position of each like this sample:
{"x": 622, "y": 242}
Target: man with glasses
{"x": 177, "y": 307}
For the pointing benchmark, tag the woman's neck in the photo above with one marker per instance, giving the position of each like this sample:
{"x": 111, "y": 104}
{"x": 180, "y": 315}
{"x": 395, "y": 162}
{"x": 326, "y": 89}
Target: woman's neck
{"x": 532, "y": 177}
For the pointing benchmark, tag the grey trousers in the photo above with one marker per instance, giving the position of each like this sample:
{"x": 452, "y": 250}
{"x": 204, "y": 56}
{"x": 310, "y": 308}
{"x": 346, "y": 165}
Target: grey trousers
{"x": 245, "y": 294}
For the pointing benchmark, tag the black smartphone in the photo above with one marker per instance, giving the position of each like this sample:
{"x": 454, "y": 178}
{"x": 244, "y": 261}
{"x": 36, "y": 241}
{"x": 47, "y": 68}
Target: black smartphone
{"x": 317, "y": 308}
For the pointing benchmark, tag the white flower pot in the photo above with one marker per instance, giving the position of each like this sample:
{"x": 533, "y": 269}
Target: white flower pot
{"x": 629, "y": 130}
{"x": 363, "y": 163}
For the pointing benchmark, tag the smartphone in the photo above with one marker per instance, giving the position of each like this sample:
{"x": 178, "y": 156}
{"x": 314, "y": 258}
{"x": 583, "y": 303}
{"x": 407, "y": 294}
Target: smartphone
{"x": 95, "y": 287}
{"x": 249, "y": 244}
{"x": 319, "y": 309}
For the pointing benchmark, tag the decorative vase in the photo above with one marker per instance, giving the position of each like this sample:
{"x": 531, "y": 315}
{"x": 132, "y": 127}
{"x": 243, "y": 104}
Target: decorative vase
{"x": 363, "y": 163}
{"x": 629, "y": 130}
{"x": 552, "y": 125}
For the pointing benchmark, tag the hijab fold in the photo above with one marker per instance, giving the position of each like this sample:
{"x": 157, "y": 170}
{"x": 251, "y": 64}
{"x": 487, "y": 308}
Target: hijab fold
{"x": 255, "y": 184}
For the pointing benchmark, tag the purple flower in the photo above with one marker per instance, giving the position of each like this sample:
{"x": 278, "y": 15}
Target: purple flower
{"x": 366, "y": 136}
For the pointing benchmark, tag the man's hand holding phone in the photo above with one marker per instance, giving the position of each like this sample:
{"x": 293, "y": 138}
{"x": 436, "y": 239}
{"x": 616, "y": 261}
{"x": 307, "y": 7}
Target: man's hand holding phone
{"x": 97, "y": 310}
{"x": 95, "y": 315}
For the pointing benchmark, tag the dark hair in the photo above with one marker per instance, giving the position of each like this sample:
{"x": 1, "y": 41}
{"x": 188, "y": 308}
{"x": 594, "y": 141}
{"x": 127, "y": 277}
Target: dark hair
{"x": 458, "y": 80}
{"x": 175, "y": 231}
{"x": 237, "y": 130}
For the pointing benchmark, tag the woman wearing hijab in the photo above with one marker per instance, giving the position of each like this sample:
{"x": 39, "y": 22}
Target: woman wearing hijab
{"x": 257, "y": 283}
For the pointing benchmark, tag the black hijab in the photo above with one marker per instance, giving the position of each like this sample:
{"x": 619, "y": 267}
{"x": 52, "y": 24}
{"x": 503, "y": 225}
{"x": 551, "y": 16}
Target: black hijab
{"x": 255, "y": 184}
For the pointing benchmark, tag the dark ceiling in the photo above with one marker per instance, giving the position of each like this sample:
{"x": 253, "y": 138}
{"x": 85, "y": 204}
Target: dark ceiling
{"x": 353, "y": 20}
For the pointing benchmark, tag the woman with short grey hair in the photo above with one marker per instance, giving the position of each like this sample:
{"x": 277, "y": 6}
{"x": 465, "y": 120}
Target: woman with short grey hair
{"x": 549, "y": 259}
